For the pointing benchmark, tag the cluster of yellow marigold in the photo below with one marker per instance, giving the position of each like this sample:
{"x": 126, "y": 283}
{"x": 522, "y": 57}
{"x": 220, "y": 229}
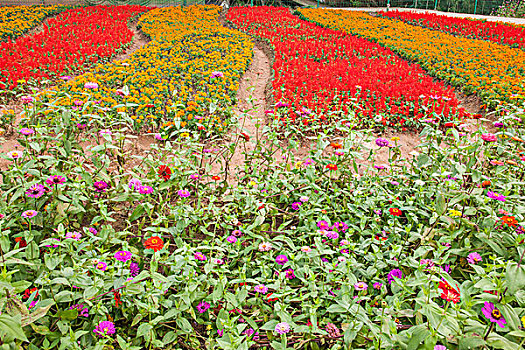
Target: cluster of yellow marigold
{"x": 496, "y": 72}
{"x": 16, "y": 20}
{"x": 171, "y": 77}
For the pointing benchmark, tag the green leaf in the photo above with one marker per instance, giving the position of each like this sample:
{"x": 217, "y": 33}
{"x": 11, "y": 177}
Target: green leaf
{"x": 515, "y": 276}
{"x": 12, "y": 327}
{"x": 440, "y": 204}
{"x": 144, "y": 329}
{"x": 269, "y": 326}
{"x": 185, "y": 325}
{"x": 139, "y": 210}
{"x": 68, "y": 314}
{"x": 36, "y": 315}
{"x": 471, "y": 342}
{"x": 419, "y": 333}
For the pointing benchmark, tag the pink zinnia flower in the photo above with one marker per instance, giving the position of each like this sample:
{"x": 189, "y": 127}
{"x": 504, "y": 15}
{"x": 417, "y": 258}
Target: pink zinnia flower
{"x": 203, "y": 306}
{"x": 91, "y": 86}
{"x": 184, "y": 193}
{"x": 261, "y": 288}
{"x": 145, "y": 189}
{"x": 361, "y": 286}
{"x": 281, "y": 259}
{"x": 489, "y": 137}
{"x": 290, "y": 274}
{"x": 123, "y": 255}
{"x": 73, "y": 235}
{"x": 497, "y": 196}
{"x": 102, "y": 266}
{"x": 55, "y": 180}
{"x": 28, "y": 214}
{"x": 282, "y": 328}
{"x": 199, "y": 256}
{"x": 474, "y": 258}
{"x": 26, "y": 131}
{"x": 35, "y": 191}
{"x": 231, "y": 239}
{"x": 104, "y": 328}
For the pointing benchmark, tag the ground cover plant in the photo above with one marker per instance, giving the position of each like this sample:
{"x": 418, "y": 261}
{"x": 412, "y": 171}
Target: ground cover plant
{"x": 495, "y": 72}
{"x": 319, "y": 71}
{"x": 502, "y": 33}
{"x": 72, "y": 41}
{"x": 191, "y": 63}
{"x": 105, "y": 248}
{"x": 17, "y": 20}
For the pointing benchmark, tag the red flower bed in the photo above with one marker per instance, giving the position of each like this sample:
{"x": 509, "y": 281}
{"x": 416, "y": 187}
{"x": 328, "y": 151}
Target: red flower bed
{"x": 321, "y": 70}
{"x": 71, "y": 41}
{"x": 502, "y": 33}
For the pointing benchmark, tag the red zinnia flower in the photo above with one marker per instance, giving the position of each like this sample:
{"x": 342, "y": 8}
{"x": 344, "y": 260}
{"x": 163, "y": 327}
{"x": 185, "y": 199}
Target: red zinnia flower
{"x": 485, "y": 183}
{"x": 245, "y": 136}
{"x": 271, "y": 300}
{"x": 395, "y": 211}
{"x": 28, "y": 292}
{"x": 331, "y": 167}
{"x": 449, "y": 293}
{"x": 21, "y": 242}
{"x": 215, "y": 178}
{"x": 154, "y": 243}
{"x": 116, "y": 297}
{"x": 509, "y": 220}
{"x": 336, "y": 145}
{"x": 164, "y": 172}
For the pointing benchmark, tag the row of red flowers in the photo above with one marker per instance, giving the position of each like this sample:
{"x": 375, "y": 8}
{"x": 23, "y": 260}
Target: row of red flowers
{"x": 318, "y": 70}
{"x": 502, "y": 33}
{"x": 75, "y": 39}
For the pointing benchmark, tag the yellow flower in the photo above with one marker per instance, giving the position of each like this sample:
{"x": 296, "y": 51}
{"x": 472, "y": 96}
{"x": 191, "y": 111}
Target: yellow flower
{"x": 185, "y": 134}
{"x": 453, "y": 212}
{"x": 395, "y": 138}
{"x": 298, "y": 165}
{"x": 523, "y": 321}
{"x": 252, "y": 183}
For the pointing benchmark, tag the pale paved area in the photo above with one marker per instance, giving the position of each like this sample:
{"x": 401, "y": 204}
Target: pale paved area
{"x": 450, "y": 14}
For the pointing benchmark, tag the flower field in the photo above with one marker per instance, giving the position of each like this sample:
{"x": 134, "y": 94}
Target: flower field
{"x": 502, "y": 33}
{"x": 74, "y": 40}
{"x": 191, "y": 63}
{"x": 17, "y": 20}
{"x": 495, "y": 72}
{"x": 319, "y": 71}
{"x": 112, "y": 239}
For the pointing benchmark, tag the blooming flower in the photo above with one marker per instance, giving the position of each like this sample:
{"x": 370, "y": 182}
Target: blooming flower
{"x": 440, "y": 347}
{"x": 217, "y": 74}
{"x": 83, "y": 311}
{"x": 195, "y": 176}
{"x": 331, "y": 234}
{"x": 395, "y": 211}
{"x": 493, "y": 314}
{"x": 73, "y": 235}
{"x": 509, "y": 220}
{"x": 123, "y": 255}
{"x": 145, "y": 189}
{"x": 497, "y": 196}
{"x": 304, "y": 199}
{"x": 394, "y": 273}
{"x": 90, "y": 86}
{"x": 489, "y": 137}
{"x": 331, "y": 167}
{"x": 265, "y": 247}
{"x": 105, "y": 328}
{"x": 282, "y": 328}
{"x": 27, "y": 99}
{"x": 102, "y": 266}
{"x": 306, "y": 249}
{"x": 155, "y": 243}
{"x": 361, "y": 286}
{"x": 290, "y": 274}
{"x": 231, "y": 239}
{"x": 28, "y": 214}
{"x": 199, "y": 256}
{"x": 134, "y": 184}
{"x": 261, "y": 288}
{"x": 36, "y": 191}
{"x": 474, "y": 258}
{"x": 55, "y": 180}
{"x": 340, "y": 226}
{"x": 134, "y": 269}
{"x": 26, "y": 131}
{"x": 378, "y": 285}
{"x": 281, "y": 259}
{"x": 14, "y": 154}
{"x": 323, "y": 225}
{"x": 183, "y": 193}
{"x": 100, "y": 186}
{"x": 296, "y": 205}
{"x": 164, "y": 172}
{"x": 203, "y": 306}
{"x": 381, "y": 142}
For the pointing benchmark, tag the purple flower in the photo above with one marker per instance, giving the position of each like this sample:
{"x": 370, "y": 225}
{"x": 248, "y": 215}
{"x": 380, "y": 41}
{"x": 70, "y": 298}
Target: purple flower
{"x": 323, "y": 225}
{"x": 378, "y": 285}
{"x": 261, "y": 288}
{"x": 203, "y": 306}
{"x": 498, "y": 125}
{"x": 281, "y": 259}
{"x": 377, "y": 212}
{"x": 217, "y": 74}
{"x": 361, "y": 286}
{"x": 493, "y": 314}
{"x": 340, "y": 227}
{"x": 382, "y": 142}
{"x": 231, "y": 239}
{"x": 199, "y": 256}
{"x": 394, "y": 273}
{"x": 158, "y": 137}
{"x": 82, "y": 310}
{"x": 282, "y": 328}
{"x": 495, "y": 195}
{"x": 290, "y": 274}
{"x": 134, "y": 269}
{"x": 90, "y": 86}
{"x": 331, "y": 234}
{"x": 100, "y": 186}
{"x": 183, "y": 193}
{"x": 134, "y": 184}
{"x": 296, "y": 205}
{"x": 36, "y": 191}
{"x": 105, "y": 328}
{"x": 474, "y": 258}
{"x": 93, "y": 231}
{"x": 26, "y": 131}
{"x": 102, "y": 266}
{"x": 145, "y": 189}
{"x": 55, "y": 180}
{"x": 123, "y": 255}
{"x": 28, "y": 214}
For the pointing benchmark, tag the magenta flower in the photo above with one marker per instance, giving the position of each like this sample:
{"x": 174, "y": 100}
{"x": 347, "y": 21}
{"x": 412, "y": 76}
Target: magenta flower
{"x": 231, "y": 239}
{"x": 83, "y": 311}
{"x": 282, "y": 328}
{"x": 340, "y": 227}
{"x": 91, "y": 86}
{"x": 183, "y": 193}
{"x": 290, "y": 274}
{"x": 199, "y": 256}
{"x": 497, "y": 196}
{"x": 361, "y": 286}
{"x": 100, "y": 186}
{"x": 36, "y": 191}
{"x": 489, "y": 137}
{"x": 93, "y": 230}
{"x": 66, "y": 77}
{"x": 123, "y": 255}
{"x": 382, "y": 142}
{"x": 394, "y": 273}
{"x": 493, "y": 314}
{"x": 323, "y": 225}
{"x": 331, "y": 234}
{"x": 134, "y": 184}
{"x": 296, "y": 205}
{"x": 474, "y": 258}
{"x": 27, "y": 99}
{"x": 105, "y": 328}
{"x": 26, "y": 131}
{"x": 281, "y": 104}
{"x": 237, "y": 233}
{"x": 55, "y": 180}
{"x": 378, "y": 285}
{"x": 281, "y": 259}
{"x": 145, "y": 189}
{"x": 220, "y": 332}
{"x": 440, "y": 347}
{"x": 203, "y": 306}
{"x": 261, "y": 288}
{"x": 134, "y": 269}
{"x": 195, "y": 176}
{"x": 28, "y": 214}
{"x": 102, "y": 266}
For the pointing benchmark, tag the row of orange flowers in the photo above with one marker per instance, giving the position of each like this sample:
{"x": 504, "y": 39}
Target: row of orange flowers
{"x": 495, "y": 72}
{"x": 16, "y": 20}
